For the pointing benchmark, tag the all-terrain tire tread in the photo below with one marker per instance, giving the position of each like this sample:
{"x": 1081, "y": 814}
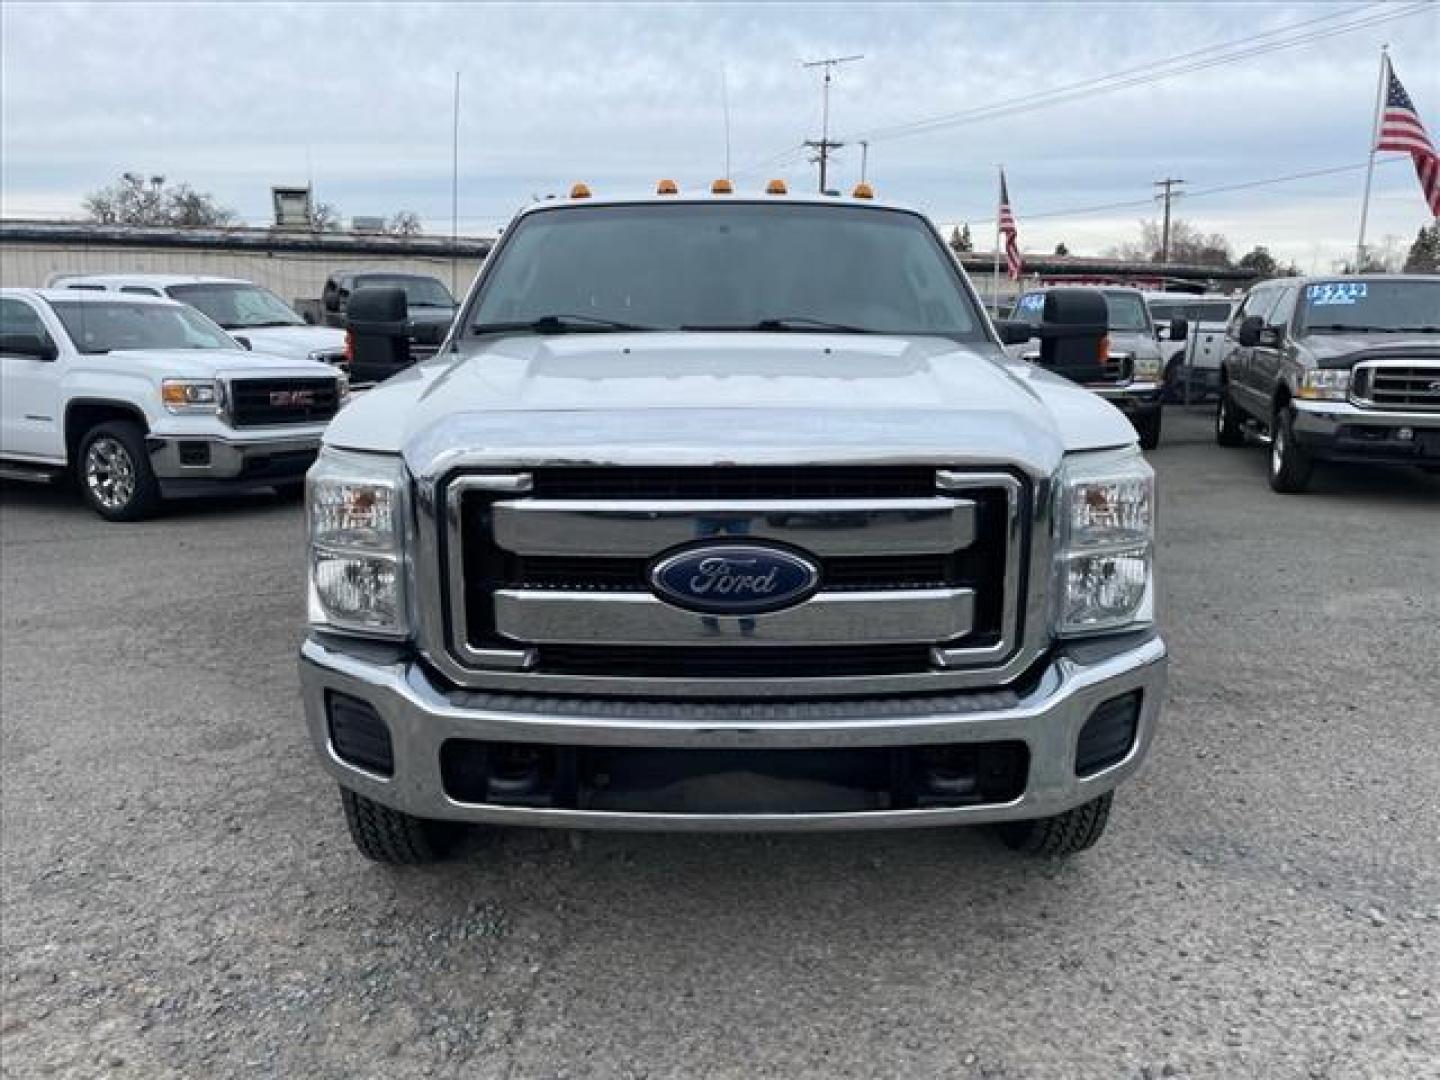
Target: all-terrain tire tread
{"x": 1064, "y": 834}
{"x": 390, "y": 836}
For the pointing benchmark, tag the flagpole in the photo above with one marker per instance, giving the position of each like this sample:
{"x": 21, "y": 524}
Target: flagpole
{"x": 995, "y": 269}
{"x": 1370, "y": 169}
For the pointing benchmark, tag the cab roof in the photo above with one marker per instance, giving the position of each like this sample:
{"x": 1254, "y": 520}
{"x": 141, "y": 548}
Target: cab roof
{"x": 703, "y": 196}
{"x": 90, "y": 296}
{"x": 160, "y": 281}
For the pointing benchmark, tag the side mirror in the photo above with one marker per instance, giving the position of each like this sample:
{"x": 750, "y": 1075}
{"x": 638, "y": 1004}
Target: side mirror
{"x": 1249, "y": 332}
{"x": 378, "y": 305}
{"x": 377, "y": 322}
{"x": 1270, "y": 337}
{"x": 1073, "y": 334}
{"x": 1179, "y": 329}
{"x": 31, "y": 345}
{"x": 1014, "y": 331}
{"x": 331, "y": 300}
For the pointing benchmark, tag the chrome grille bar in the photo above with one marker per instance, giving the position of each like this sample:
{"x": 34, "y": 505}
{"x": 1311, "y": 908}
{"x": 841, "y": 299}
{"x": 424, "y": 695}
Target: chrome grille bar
{"x": 1402, "y": 384}
{"x": 543, "y": 618}
{"x": 637, "y": 527}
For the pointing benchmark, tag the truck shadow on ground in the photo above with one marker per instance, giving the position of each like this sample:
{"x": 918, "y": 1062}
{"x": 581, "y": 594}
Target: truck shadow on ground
{"x": 64, "y": 497}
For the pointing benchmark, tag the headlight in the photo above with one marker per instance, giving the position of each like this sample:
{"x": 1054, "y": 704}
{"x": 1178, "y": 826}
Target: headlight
{"x": 190, "y": 395}
{"x": 1331, "y": 384}
{"x": 1105, "y": 528}
{"x": 1147, "y": 367}
{"x": 356, "y": 504}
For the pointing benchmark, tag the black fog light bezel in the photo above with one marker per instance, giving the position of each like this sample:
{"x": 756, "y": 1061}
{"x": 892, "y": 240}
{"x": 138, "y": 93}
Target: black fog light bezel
{"x": 359, "y": 735}
{"x": 1109, "y": 734}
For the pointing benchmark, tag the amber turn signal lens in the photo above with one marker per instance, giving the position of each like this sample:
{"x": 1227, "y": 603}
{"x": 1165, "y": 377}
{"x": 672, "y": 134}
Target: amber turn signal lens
{"x": 666, "y": 187}
{"x": 863, "y": 191}
{"x": 775, "y": 187}
{"x": 722, "y": 187}
{"x": 579, "y": 191}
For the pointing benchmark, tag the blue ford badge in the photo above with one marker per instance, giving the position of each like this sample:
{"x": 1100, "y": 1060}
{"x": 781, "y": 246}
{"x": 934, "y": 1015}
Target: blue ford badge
{"x": 734, "y": 579}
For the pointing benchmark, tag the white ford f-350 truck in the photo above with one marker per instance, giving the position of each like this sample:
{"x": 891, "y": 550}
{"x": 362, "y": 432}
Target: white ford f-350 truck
{"x": 730, "y": 512}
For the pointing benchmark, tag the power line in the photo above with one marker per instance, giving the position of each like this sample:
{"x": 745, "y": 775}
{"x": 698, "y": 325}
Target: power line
{"x": 1246, "y": 185}
{"x": 1185, "y": 63}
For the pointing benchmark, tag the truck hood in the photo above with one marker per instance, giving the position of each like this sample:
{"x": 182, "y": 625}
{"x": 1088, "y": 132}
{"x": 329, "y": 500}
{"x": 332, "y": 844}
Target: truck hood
{"x": 1342, "y": 350}
{"x": 203, "y": 363}
{"x": 297, "y": 342}
{"x": 697, "y": 398}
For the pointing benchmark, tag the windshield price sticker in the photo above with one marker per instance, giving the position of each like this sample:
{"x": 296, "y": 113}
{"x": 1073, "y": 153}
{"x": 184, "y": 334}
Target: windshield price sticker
{"x": 1336, "y": 293}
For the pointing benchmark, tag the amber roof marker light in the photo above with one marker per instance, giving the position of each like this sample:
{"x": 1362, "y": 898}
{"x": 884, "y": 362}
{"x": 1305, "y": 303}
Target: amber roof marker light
{"x": 863, "y": 191}
{"x": 667, "y": 187}
{"x": 580, "y": 191}
{"x": 722, "y": 187}
{"x": 776, "y": 187}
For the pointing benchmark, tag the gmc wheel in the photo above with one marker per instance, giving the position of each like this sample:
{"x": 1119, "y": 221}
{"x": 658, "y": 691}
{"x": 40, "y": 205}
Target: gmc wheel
{"x": 113, "y": 469}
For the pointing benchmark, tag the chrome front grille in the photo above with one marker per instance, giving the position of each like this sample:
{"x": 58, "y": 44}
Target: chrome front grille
{"x": 1402, "y": 385}
{"x": 921, "y": 572}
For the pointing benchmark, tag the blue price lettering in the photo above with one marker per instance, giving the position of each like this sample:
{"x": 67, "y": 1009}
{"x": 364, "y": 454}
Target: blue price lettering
{"x": 1333, "y": 293}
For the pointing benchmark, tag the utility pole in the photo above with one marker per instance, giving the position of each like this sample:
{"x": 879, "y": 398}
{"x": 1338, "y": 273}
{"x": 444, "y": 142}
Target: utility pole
{"x": 864, "y": 158}
{"x": 1167, "y": 184}
{"x": 823, "y": 145}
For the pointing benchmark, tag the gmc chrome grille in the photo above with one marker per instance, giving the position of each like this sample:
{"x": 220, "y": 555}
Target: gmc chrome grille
{"x": 1402, "y": 385}
{"x": 920, "y": 571}
{"x": 258, "y": 402}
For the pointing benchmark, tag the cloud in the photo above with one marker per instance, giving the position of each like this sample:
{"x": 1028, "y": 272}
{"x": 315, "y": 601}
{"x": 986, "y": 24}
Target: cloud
{"x": 234, "y": 97}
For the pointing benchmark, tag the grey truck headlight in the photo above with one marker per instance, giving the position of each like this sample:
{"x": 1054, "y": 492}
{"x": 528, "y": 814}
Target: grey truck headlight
{"x": 356, "y": 507}
{"x": 190, "y": 395}
{"x": 1105, "y": 532}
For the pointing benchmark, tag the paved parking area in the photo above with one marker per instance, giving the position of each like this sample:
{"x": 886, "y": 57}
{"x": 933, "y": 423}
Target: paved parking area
{"x": 180, "y": 899}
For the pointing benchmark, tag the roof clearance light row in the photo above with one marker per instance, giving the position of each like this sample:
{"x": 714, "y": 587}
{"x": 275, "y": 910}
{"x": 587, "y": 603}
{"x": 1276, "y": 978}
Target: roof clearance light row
{"x": 723, "y": 187}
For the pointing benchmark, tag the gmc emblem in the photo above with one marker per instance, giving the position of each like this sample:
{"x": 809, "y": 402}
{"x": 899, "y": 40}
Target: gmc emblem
{"x": 282, "y": 398}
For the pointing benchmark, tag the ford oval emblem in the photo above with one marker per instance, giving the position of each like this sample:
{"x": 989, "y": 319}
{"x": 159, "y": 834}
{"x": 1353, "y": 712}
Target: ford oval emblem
{"x": 734, "y": 579}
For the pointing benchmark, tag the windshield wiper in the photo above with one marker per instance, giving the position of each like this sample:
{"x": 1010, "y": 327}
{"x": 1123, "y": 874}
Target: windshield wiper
{"x": 785, "y": 323}
{"x": 557, "y": 324}
{"x": 1351, "y": 329}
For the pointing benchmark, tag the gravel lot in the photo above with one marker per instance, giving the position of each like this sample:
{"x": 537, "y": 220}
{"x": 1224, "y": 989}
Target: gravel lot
{"x": 180, "y": 897}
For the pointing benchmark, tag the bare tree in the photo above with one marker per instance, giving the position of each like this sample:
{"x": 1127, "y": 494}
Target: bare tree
{"x": 1187, "y": 245}
{"x": 139, "y": 200}
{"x": 404, "y": 223}
{"x": 325, "y": 217}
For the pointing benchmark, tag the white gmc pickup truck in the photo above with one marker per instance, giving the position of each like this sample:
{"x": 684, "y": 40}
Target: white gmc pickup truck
{"x": 730, "y": 512}
{"x": 140, "y": 398}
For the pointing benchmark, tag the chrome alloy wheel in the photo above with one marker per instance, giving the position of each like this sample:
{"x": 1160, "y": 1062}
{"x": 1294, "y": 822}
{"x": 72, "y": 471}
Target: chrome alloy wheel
{"x": 109, "y": 473}
{"x": 1279, "y": 447}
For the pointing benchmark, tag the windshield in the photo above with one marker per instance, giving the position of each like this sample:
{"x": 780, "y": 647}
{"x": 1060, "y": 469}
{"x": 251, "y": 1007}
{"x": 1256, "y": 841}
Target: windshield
{"x": 1195, "y": 311}
{"x": 419, "y": 291}
{"x": 237, "y": 307}
{"x": 1370, "y": 305}
{"x": 112, "y": 327}
{"x": 1127, "y": 312}
{"x": 727, "y": 267}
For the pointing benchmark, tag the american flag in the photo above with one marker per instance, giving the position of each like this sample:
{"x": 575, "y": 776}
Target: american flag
{"x": 1013, "y": 263}
{"x": 1401, "y": 129}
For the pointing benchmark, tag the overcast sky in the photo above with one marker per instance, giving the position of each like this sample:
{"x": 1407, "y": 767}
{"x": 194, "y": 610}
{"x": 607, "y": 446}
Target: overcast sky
{"x": 233, "y": 98}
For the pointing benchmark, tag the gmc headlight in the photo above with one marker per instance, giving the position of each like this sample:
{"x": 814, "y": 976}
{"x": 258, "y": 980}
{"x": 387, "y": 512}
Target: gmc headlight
{"x": 355, "y": 504}
{"x": 190, "y": 395}
{"x": 1105, "y": 530}
{"x": 1332, "y": 384}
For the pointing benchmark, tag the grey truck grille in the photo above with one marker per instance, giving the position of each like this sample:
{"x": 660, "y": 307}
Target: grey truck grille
{"x": 550, "y": 577}
{"x": 1401, "y": 385}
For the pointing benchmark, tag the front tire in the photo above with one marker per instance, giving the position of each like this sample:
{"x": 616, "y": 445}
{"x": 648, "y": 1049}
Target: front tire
{"x": 389, "y": 836}
{"x": 1228, "y": 431}
{"x": 113, "y": 469}
{"x": 1290, "y": 466}
{"x": 1064, "y": 834}
{"x": 293, "y": 491}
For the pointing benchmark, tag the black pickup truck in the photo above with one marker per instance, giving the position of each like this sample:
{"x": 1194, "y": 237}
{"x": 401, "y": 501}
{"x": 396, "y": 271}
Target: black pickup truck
{"x": 1335, "y": 369}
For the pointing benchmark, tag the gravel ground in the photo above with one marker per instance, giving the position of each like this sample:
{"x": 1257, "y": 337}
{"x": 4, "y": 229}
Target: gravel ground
{"x": 180, "y": 897}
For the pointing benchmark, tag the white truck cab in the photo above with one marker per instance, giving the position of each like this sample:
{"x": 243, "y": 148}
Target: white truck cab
{"x": 253, "y": 315}
{"x": 1191, "y": 362}
{"x": 142, "y": 397}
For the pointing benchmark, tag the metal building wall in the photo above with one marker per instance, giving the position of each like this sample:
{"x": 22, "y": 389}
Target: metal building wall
{"x": 290, "y": 274}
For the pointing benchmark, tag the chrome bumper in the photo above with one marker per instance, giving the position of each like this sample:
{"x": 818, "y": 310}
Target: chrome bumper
{"x": 421, "y": 716}
{"x": 273, "y": 458}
